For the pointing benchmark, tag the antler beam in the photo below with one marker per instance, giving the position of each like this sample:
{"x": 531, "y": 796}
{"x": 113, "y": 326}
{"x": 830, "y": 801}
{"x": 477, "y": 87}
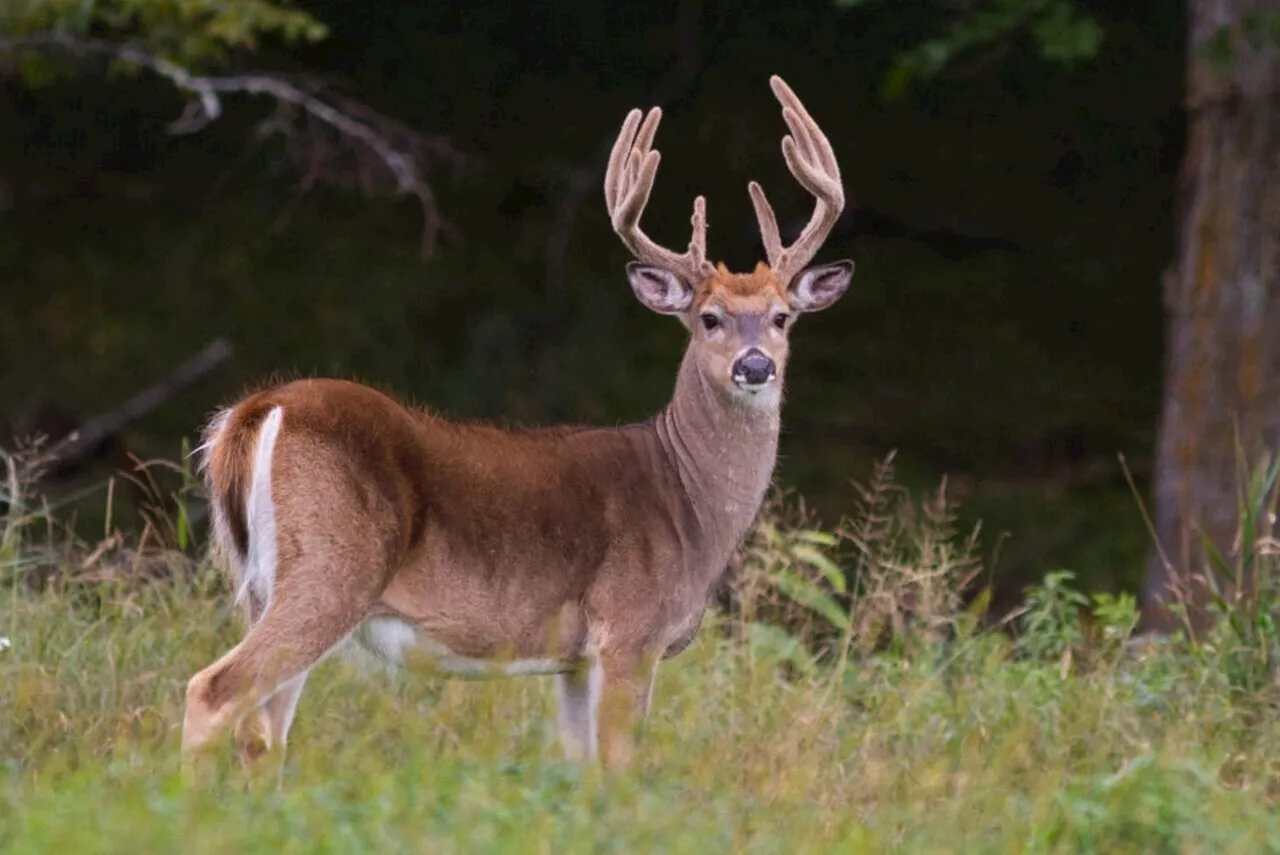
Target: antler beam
{"x": 812, "y": 161}
{"x": 633, "y": 165}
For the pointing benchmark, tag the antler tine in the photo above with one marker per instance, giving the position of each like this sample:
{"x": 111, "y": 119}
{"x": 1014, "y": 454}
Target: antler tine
{"x": 769, "y": 234}
{"x": 618, "y": 158}
{"x": 812, "y": 161}
{"x": 628, "y": 181}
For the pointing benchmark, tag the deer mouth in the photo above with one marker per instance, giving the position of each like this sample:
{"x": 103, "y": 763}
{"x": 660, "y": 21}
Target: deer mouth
{"x": 753, "y": 385}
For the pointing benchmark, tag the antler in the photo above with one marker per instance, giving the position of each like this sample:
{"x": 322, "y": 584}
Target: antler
{"x": 633, "y": 164}
{"x": 813, "y": 163}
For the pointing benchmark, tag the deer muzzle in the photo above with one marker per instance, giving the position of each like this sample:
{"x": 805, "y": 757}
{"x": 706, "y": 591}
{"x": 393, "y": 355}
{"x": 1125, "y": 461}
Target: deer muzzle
{"x": 754, "y": 370}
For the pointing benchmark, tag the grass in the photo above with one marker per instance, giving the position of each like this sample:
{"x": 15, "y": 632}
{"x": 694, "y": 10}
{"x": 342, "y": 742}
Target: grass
{"x": 864, "y": 710}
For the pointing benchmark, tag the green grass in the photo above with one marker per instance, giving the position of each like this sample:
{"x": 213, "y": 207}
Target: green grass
{"x": 883, "y": 721}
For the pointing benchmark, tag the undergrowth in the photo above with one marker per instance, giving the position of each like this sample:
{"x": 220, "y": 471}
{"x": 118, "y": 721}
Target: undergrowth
{"x": 851, "y": 693}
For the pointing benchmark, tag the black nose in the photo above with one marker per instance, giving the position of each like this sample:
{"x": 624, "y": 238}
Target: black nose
{"x": 754, "y": 368}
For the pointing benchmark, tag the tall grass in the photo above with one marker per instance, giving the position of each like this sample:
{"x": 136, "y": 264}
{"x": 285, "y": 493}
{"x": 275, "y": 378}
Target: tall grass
{"x": 850, "y": 696}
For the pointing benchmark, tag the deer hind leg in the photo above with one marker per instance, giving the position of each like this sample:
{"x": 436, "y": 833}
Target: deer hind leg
{"x": 262, "y": 678}
{"x": 267, "y": 727}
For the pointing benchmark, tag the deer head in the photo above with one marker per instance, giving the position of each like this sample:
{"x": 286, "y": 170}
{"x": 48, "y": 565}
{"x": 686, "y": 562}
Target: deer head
{"x": 739, "y": 322}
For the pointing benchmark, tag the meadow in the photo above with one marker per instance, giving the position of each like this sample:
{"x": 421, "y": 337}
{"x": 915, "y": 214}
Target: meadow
{"x": 850, "y": 693}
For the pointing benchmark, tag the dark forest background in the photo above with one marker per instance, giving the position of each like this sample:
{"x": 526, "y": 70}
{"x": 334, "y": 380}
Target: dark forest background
{"x": 1010, "y": 219}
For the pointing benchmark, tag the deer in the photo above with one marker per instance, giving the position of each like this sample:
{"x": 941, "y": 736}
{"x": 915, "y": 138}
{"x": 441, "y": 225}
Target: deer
{"x": 347, "y": 520}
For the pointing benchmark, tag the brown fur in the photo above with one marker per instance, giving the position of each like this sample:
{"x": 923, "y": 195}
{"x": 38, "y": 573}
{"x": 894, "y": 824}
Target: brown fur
{"x": 593, "y": 549}
{"x": 758, "y": 286}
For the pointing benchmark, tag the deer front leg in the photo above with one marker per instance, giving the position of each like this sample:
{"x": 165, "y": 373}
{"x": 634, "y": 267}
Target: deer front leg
{"x": 626, "y": 684}
{"x": 577, "y": 704}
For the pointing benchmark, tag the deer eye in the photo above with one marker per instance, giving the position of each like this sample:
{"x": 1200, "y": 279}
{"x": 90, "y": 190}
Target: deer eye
{"x": 780, "y": 320}
{"x": 710, "y": 321}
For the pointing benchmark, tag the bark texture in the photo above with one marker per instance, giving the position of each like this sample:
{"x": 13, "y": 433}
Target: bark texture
{"x": 1222, "y": 295}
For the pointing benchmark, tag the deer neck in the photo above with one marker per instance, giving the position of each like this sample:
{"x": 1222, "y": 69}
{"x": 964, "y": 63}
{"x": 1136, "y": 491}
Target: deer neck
{"x": 723, "y": 451}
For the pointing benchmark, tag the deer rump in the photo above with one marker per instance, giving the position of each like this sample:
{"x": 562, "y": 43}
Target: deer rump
{"x": 477, "y": 551}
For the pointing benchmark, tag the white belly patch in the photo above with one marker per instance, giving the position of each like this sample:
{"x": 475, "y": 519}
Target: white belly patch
{"x": 390, "y": 642}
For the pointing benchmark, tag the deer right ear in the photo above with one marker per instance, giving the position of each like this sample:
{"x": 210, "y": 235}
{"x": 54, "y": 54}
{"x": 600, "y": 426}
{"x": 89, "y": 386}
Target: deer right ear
{"x": 818, "y": 287}
{"x": 658, "y": 288}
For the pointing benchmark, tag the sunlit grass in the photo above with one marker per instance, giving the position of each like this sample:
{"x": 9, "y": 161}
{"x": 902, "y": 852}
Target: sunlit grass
{"x": 1047, "y": 740}
{"x": 969, "y": 751}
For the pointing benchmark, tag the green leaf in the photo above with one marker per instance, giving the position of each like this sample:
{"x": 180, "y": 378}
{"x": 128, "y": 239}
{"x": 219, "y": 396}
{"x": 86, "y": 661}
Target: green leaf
{"x": 981, "y": 603}
{"x": 183, "y": 525}
{"x": 805, "y": 593}
{"x": 1216, "y": 561}
{"x": 1065, "y": 35}
{"x": 817, "y": 536}
{"x": 824, "y": 565}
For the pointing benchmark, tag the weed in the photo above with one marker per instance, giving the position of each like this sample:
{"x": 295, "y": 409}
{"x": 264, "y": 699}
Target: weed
{"x": 849, "y": 699}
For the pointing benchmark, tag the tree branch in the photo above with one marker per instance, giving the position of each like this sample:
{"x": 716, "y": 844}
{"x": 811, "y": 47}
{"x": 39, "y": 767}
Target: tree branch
{"x": 399, "y": 150}
{"x": 82, "y": 441}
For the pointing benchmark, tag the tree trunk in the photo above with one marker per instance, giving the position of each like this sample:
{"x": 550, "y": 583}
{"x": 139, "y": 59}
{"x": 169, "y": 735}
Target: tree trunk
{"x": 1222, "y": 297}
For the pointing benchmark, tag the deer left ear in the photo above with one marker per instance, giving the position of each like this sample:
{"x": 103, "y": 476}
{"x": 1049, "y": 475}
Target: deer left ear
{"x": 660, "y": 289}
{"x": 816, "y": 288}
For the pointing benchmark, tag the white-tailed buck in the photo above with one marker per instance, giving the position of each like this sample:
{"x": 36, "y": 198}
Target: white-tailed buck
{"x": 347, "y": 518}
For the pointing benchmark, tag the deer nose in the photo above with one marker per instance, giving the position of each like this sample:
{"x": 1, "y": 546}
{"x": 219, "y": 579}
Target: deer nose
{"x": 754, "y": 368}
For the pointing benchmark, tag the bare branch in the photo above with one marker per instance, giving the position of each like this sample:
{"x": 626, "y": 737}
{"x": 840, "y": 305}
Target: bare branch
{"x": 82, "y": 441}
{"x": 399, "y": 150}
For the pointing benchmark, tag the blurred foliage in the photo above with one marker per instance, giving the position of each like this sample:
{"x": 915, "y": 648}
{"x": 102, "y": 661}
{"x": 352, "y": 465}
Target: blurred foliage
{"x": 188, "y": 31}
{"x": 1256, "y": 31}
{"x": 1018, "y": 367}
{"x": 1062, "y": 32}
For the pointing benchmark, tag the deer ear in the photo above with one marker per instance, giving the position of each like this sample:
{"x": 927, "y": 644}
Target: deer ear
{"x": 658, "y": 288}
{"x": 817, "y": 288}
